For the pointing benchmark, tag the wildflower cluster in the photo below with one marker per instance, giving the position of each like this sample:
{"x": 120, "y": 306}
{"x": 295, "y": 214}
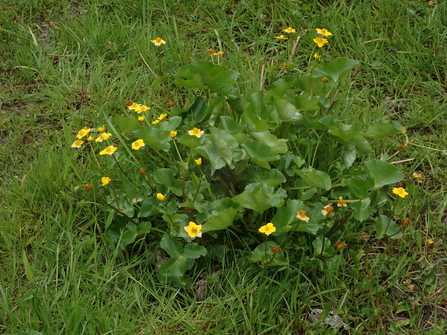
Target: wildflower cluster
{"x": 235, "y": 161}
{"x": 101, "y": 137}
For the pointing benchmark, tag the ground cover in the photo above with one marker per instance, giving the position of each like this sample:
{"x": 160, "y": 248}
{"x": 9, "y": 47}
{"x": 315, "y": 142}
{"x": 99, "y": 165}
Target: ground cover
{"x": 70, "y": 64}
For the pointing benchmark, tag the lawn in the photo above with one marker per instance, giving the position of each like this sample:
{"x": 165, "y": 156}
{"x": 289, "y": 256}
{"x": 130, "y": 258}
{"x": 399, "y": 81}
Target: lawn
{"x": 80, "y": 254}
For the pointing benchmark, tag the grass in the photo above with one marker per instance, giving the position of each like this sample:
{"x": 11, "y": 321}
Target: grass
{"x": 65, "y": 64}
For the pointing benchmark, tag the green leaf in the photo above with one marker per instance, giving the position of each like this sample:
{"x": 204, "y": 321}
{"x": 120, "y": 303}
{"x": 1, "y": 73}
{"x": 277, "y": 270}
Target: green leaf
{"x": 171, "y": 124}
{"x": 230, "y": 126}
{"x": 381, "y": 129}
{"x": 260, "y": 153}
{"x": 132, "y": 232}
{"x": 285, "y": 219}
{"x": 345, "y": 132}
{"x": 154, "y": 137}
{"x": 260, "y": 197}
{"x": 361, "y": 144}
{"x": 164, "y": 176}
{"x": 205, "y": 75}
{"x": 125, "y": 124}
{"x": 149, "y": 207}
{"x": 383, "y": 173}
{"x": 194, "y": 250}
{"x": 306, "y": 102}
{"x": 315, "y": 178}
{"x": 363, "y": 210}
{"x": 349, "y": 157}
{"x": 272, "y": 178}
{"x": 335, "y": 68}
{"x": 224, "y": 218}
{"x": 387, "y": 227}
{"x": 279, "y": 87}
{"x": 361, "y": 186}
{"x": 322, "y": 247}
{"x": 278, "y": 145}
{"x": 287, "y": 111}
{"x": 27, "y": 266}
{"x": 218, "y": 149}
{"x": 170, "y": 244}
{"x": 264, "y": 254}
{"x": 174, "y": 269}
{"x": 215, "y": 107}
{"x": 309, "y": 85}
{"x": 196, "y": 113}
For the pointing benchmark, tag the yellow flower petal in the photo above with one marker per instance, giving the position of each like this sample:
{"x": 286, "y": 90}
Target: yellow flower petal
{"x": 302, "y": 215}
{"x": 105, "y": 181}
{"x": 173, "y": 134}
{"x": 158, "y": 41}
{"x": 320, "y": 41}
{"x": 109, "y": 150}
{"x": 323, "y": 32}
{"x": 198, "y": 161}
{"x": 77, "y": 144}
{"x": 267, "y": 229}
{"x": 194, "y": 230}
{"x": 400, "y": 191}
{"x": 289, "y": 30}
{"x": 281, "y": 37}
{"x": 196, "y": 132}
{"x": 83, "y": 132}
{"x": 161, "y": 197}
{"x": 138, "y": 144}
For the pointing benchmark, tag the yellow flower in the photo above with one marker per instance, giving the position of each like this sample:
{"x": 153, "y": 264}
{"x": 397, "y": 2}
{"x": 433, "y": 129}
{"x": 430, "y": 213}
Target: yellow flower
{"x": 289, "y": 30}
{"x": 328, "y": 210}
{"x": 302, "y": 215}
{"x": 317, "y": 56}
{"x": 141, "y": 108}
{"x": 102, "y": 137}
{"x": 158, "y": 41}
{"x": 429, "y": 241}
{"x": 400, "y": 191}
{"x": 194, "y": 230}
{"x": 196, "y": 132}
{"x": 161, "y": 197}
{"x": 323, "y": 32}
{"x": 138, "y": 144}
{"x": 109, "y": 150}
{"x": 341, "y": 202}
{"x": 83, "y": 132}
{"x": 156, "y": 122}
{"x": 267, "y": 229}
{"x": 105, "y": 181}
{"x": 133, "y": 106}
{"x": 320, "y": 41}
{"x": 173, "y": 134}
{"x": 281, "y": 37}
{"x": 418, "y": 177}
{"x": 141, "y": 118}
{"x": 220, "y": 53}
{"x": 90, "y": 138}
{"x": 101, "y": 129}
{"x": 77, "y": 144}
{"x": 198, "y": 161}
{"x": 162, "y": 116}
